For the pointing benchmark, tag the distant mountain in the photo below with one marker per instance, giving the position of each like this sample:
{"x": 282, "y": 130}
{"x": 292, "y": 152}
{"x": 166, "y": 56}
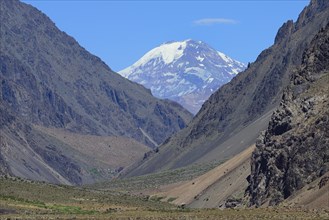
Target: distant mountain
{"x": 187, "y": 72}
{"x": 47, "y": 79}
{"x": 233, "y": 117}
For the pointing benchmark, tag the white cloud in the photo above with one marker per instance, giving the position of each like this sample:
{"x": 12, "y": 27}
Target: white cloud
{"x": 212, "y": 21}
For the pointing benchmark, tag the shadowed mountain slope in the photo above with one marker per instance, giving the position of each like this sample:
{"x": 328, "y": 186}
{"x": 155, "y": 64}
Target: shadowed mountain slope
{"x": 211, "y": 189}
{"x": 47, "y": 79}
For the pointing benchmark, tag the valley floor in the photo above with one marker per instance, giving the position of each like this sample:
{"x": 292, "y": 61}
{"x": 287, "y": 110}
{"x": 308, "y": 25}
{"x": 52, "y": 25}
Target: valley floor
{"x": 23, "y": 199}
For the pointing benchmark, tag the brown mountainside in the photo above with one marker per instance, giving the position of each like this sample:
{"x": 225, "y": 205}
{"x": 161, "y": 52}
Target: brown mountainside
{"x": 47, "y": 79}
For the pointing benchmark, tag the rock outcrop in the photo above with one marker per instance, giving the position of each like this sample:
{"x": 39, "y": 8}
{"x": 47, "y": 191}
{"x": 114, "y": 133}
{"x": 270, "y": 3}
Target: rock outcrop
{"x": 294, "y": 150}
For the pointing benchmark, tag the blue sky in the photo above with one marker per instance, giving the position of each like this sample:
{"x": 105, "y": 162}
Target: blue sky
{"x": 120, "y": 32}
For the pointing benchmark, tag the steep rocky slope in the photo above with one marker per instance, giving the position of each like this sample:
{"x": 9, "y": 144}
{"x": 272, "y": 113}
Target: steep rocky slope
{"x": 47, "y": 79}
{"x": 187, "y": 72}
{"x": 213, "y": 188}
{"x": 239, "y": 105}
{"x": 294, "y": 150}
{"x": 58, "y": 156}
{"x": 312, "y": 196}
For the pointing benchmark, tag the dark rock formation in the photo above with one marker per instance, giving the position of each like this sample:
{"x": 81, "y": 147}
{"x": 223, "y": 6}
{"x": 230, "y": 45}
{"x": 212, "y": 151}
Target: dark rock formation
{"x": 294, "y": 150}
{"x": 232, "y": 203}
{"x": 4, "y": 169}
{"x": 324, "y": 181}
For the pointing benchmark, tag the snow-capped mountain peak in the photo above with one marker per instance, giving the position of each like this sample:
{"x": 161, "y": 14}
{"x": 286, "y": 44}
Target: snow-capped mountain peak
{"x": 166, "y": 52}
{"x": 184, "y": 71}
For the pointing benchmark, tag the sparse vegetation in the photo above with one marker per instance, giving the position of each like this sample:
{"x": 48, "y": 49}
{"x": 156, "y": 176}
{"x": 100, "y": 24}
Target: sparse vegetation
{"x": 153, "y": 181}
{"x": 94, "y": 171}
{"x": 23, "y": 199}
{"x": 171, "y": 199}
{"x": 156, "y": 198}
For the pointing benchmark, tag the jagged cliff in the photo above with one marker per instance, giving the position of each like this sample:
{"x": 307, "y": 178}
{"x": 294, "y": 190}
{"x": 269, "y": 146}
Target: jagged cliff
{"x": 294, "y": 150}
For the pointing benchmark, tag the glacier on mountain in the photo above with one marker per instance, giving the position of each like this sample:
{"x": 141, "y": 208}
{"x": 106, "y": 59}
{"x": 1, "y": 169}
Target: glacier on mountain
{"x": 187, "y": 72}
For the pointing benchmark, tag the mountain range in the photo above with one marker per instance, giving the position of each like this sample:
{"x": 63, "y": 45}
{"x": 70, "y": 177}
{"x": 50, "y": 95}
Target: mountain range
{"x": 288, "y": 165}
{"x": 67, "y": 118}
{"x": 187, "y": 72}
{"x": 269, "y": 125}
{"x": 233, "y": 117}
{"x": 49, "y": 81}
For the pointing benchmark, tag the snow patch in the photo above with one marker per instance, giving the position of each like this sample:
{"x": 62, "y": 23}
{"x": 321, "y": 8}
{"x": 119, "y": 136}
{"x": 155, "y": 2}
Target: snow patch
{"x": 210, "y": 80}
{"x": 167, "y": 52}
{"x": 235, "y": 71}
{"x": 225, "y": 57}
{"x": 199, "y": 58}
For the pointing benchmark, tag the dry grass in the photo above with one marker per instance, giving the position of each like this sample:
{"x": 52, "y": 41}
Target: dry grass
{"x": 21, "y": 199}
{"x": 153, "y": 182}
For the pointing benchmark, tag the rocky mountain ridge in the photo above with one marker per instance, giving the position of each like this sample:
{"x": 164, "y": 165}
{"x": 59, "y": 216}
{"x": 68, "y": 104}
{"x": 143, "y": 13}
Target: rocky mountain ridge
{"x": 187, "y": 72}
{"x": 294, "y": 149}
{"x": 47, "y": 79}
